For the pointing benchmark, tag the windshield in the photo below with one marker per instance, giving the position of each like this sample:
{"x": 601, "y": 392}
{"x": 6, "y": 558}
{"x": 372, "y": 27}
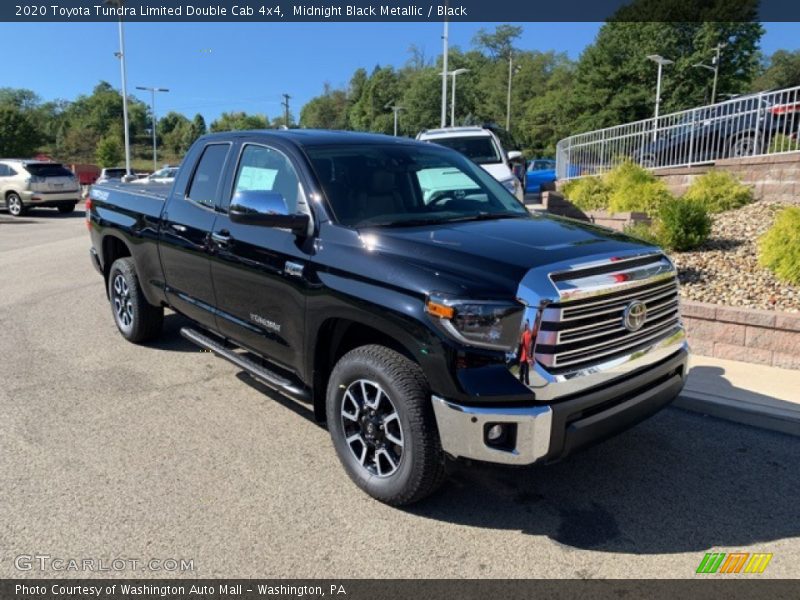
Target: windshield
{"x": 479, "y": 149}
{"x": 398, "y": 185}
{"x": 48, "y": 170}
{"x": 114, "y": 173}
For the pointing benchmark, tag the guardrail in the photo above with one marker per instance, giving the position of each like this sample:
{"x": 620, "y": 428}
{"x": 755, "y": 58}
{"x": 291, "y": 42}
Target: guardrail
{"x": 751, "y": 125}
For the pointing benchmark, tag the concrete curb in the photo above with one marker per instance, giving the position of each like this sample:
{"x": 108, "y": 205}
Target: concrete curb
{"x": 757, "y": 415}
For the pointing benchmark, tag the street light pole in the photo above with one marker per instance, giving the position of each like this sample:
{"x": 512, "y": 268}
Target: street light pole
{"x": 444, "y": 74}
{"x": 396, "y": 110}
{"x": 454, "y": 74}
{"x": 508, "y": 97}
{"x": 124, "y": 74}
{"x": 660, "y": 61}
{"x": 153, "y": 91}
{"x": 715, "y": 69}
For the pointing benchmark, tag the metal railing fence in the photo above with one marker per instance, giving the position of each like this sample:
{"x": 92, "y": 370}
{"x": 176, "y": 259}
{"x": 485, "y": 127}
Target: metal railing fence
{"x": 751, "y": 125}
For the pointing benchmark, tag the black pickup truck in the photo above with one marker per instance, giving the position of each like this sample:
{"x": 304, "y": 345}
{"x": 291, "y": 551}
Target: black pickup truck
{"x": 402, "y": 292}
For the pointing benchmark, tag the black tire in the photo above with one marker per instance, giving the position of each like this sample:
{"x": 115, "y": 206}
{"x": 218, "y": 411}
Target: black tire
{"x": 14, "y": 205}
{"x": 420, "y": 469}
{"x": 137, "y": 320}
{"x": 743, "y": 146}
{"x": 65, "y": 209}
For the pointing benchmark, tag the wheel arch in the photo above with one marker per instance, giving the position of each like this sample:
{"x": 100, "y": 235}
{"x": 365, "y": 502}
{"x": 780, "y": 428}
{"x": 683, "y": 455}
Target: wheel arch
{"x": 336, "y": 337}
{"x": 113, "y": 248}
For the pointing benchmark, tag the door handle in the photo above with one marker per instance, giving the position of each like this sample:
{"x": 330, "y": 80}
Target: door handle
{"x": 177, "y": 227}
{"x": 221, "y": 238}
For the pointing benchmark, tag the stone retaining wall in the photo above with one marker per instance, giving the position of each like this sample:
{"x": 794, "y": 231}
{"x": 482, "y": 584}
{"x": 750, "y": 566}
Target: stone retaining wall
{"x": 775, "y": 177}
{"x": 755, "y": 336}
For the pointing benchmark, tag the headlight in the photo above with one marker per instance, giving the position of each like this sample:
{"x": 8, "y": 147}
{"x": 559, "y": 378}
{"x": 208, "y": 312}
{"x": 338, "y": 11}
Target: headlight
{"x": 484, "y": 324}
{"x": 510, "y": 185}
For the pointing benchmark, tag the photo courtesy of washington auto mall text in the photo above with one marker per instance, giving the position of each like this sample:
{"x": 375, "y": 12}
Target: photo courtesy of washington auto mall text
{"x": 385, "y": 300}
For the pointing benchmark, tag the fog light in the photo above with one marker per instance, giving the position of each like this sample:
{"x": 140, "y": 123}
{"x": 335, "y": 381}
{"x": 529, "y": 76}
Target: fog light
{"x": 495, "y": 433}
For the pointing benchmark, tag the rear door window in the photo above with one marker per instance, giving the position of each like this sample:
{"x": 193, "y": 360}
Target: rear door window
{"x": 205, "y": 182}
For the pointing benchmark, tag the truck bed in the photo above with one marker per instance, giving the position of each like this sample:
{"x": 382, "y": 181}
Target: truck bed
{"x": 147, "y": 200}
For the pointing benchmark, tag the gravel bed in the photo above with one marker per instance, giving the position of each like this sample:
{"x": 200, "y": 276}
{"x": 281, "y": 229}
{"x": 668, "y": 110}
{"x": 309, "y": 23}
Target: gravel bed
{"x": 725, "y": 269}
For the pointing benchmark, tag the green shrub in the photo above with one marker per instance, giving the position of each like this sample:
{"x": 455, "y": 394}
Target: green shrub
{"x": 718, "y": 191}
{"x": 779, "y": 248}
{"x": 644, "y": 233}
{"x": 646, "y": 197}
{"x": 587, "y": 193}
{"x": 683, "y": 224}
{"x": 628, "y": 174}
{"x": 783, "y": 143}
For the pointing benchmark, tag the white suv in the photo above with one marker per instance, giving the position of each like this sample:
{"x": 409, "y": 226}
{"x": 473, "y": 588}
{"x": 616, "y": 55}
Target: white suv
{"x": 481, "y": 146}
{"x": 28, "y": 183}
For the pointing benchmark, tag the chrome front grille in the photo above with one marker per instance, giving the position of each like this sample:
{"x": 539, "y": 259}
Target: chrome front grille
{"x": 586, "y": 326}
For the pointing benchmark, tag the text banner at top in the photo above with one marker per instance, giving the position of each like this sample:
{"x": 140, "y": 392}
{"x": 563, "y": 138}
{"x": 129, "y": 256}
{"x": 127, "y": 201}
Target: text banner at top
{"x": 276, "y": 11}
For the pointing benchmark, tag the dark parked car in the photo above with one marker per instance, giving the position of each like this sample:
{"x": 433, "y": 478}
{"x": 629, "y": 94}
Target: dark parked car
{"x": 743, "y": 126}
{"x": 420, "y": 327}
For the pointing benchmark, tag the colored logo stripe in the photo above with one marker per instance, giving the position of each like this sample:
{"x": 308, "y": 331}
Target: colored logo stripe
{"x": 735, "y": 562}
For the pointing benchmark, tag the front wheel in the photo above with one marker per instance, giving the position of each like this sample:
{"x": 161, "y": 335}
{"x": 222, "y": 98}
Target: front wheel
{"x": 137, "y": 320}
{"x": 382, "y": 425}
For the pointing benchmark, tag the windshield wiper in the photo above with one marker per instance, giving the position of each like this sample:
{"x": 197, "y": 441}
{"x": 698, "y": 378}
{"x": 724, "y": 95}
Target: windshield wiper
{"x": 488, "y": 217}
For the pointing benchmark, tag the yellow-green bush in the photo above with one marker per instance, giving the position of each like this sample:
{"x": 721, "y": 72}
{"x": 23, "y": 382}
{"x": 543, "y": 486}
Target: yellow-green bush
{"x": 779, "y": 248}
{"x": 646, "y": 197}
{"x": 587, "y": 193}
{"x": 644, "y": 233}
{"x": 683, "y": 224}
{"x": 719, "y": 191}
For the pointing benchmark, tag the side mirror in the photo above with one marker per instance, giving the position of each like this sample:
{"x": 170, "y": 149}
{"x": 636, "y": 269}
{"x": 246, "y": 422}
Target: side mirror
{"x": 514, "y": 155}
{"x": 266, "y": 209}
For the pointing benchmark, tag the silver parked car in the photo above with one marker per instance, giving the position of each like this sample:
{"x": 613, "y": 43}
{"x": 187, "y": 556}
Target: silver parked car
{"x": 31, "y": 183}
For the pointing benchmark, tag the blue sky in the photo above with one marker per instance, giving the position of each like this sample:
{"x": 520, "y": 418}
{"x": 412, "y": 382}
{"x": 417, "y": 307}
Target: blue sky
{"x": 215, "y": 67}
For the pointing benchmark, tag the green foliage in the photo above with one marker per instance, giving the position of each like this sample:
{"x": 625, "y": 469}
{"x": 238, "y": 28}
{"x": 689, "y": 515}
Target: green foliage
{"x": 109, "y": 151}
{"x": 783, "y": 143}
{"x": 18, "y": 135}
{"x": 588, "y": 193}
{"x": 626, "y": 188}
{"x": 718, "y": 191}
{"x": 328, "y": 111}
{"x": 782, "y": 70}
{"x": 615, "y": 82}
{"x": 643, "y": 232}
{"x": 779, "y": 248}
{"x": 683, "y": 224}
{"x": 634, "y": 189}
{"x": 238, "y": 121}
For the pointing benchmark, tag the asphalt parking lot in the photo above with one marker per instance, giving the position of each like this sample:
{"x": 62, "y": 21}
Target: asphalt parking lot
{"x": 112, "y": 450}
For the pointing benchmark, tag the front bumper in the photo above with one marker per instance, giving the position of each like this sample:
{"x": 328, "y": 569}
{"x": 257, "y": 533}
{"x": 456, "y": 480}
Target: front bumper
{"x": 548, "y": 432}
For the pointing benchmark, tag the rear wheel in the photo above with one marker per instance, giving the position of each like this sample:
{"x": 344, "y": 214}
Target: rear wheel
{"x": 14, "y": 204}
{"x": 65, "y": 209}
{"x": 382, "y": 425}
{"x": 137, "y": 320}
{"x": 744, "y": 145}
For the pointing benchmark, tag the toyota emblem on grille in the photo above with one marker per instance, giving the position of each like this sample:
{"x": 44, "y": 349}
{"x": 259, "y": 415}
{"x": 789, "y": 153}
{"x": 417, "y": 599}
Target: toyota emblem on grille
{"x": 634, "y": 315}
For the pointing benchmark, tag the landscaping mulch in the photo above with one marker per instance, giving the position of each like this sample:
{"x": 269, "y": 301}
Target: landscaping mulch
{"x": 725, "y": 269}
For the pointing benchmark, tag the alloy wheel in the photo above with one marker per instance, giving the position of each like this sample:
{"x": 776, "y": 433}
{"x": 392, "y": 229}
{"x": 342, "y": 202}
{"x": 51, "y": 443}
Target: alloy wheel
{"x": 14, "y": 205}
{"x": 123, "y": 308}
{"x": 372, "y": 428}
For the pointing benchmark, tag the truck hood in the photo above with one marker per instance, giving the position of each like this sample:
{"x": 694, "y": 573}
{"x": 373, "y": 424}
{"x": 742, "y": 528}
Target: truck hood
{"x": 489, "y": 258}
{"x": 499, "y": 171}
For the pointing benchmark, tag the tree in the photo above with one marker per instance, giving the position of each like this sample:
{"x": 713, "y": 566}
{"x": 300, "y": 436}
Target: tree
{"x": 109, "y": 151}
{"x": 198, "y": 126}
{"x": 499, "y": 43}
{"x": 169, "y": 122}
{"x": 782, "y": 70}
{"x": 615, "y": 82}
{"x": 22, "y": 99}
{"x": 18, "y": 136}
{"x": 328, "y": 111}
{"x": 239, "y": 120}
